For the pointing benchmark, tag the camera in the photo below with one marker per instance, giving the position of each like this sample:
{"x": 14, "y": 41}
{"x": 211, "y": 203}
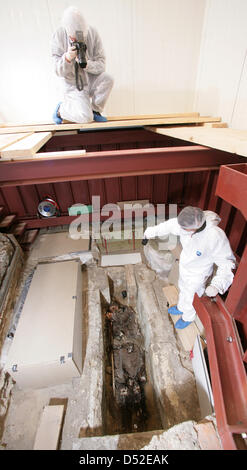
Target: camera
{"x": 81, "y": 48}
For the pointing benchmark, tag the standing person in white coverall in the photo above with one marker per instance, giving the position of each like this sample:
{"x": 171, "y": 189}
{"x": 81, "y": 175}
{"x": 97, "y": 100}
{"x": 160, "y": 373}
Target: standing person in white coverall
{"x": 87, "y": 89}
{"x": 204, "y": 245}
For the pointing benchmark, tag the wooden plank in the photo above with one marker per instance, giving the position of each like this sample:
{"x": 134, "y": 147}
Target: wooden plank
{"x": 26, "y": 147}
{"x": 7, "y": 221}
{"x": 19, "y": 229}
{"x": 151, "y": 116}
{"x": 9, "y": 139}
{"x": 215, "y": 124}
{"x": 26, "y": 123}
{"x": 171, "y": 294}
{"x": 29, "y": 237}
{"x": 48, "y": 155}
{"x": 228, "y": 140}
{"x": 110, "y": 118}
{"x": 48, "y": 432}
{"x": 189, "y": 334}
{"x": 61, "y": 154}
{"x": 111, "y": 124}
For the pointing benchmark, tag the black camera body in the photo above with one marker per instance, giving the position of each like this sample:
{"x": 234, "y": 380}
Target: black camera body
{"x": 81, "y": 48}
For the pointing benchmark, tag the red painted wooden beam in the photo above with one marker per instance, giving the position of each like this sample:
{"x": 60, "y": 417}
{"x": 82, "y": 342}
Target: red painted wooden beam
{"x": 227, "y": 372}
{"x": 97, "y": 165}
{"x": 232, "y": 187}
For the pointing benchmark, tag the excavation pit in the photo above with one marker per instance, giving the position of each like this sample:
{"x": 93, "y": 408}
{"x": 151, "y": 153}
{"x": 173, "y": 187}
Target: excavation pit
{"x": 163, "y": 373}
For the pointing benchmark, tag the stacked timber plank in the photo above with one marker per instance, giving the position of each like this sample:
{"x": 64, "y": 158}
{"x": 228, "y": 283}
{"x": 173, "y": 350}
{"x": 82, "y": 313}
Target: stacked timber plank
{"x": 225, "y": 139}
{"x": 19, "y": 141}
{"x": 9, "y": 224}
{"x": 115, "y": 121}
{"x": 24, "y": 141}
{"x": 27, "y": 146}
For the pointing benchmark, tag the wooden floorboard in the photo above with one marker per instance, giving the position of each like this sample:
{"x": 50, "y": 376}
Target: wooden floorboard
{"x": 26, "y": 147}
{"x": 154, "y": 121}
{"x": 225, "y": 139}
{"x": 8, "y": 139}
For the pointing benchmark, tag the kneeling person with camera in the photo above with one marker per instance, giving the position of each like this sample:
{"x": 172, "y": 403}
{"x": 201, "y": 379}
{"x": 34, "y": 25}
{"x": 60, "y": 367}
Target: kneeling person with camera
{"x": 79, "y": 61}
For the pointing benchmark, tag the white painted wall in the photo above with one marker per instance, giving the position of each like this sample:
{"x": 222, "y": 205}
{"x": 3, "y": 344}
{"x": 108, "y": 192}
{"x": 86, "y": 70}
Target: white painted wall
{"x": 152, "y": 49}
{"x": 221, "y": 87}
{"x": 165, "y": 56}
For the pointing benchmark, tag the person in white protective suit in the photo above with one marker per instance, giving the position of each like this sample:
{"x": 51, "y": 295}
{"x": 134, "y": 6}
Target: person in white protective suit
{"x": 204, "y": 245}
{"x": 86, "y": 90}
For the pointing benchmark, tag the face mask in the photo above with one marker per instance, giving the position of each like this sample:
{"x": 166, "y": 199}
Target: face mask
{"x": 186, "y": 232}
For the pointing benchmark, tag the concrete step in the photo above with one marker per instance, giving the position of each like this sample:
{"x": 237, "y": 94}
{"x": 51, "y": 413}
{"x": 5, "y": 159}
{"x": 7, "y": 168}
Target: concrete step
{"x": 188, "y": 435}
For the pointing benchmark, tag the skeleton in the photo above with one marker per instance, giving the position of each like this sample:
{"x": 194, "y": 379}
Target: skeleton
{"x": 128, "y": 355}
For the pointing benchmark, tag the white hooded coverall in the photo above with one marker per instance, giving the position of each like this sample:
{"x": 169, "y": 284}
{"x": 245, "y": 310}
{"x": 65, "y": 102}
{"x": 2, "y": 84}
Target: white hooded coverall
{"x": 201, "y": 251}
{"x": 97, "y": 84}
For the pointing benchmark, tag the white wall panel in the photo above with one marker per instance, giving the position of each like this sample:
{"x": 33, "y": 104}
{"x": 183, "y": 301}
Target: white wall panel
{"x": 26, "y": 80}
{"x": 239, "y": 114}
{"x": 152, "y": 49}
{"x": 167, "y": 37}
{"x": 221, "y": 83}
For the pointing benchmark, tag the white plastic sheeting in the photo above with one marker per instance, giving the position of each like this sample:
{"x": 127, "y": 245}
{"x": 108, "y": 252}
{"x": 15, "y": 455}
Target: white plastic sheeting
{"x": 152, "y": 50}
{"x": 161, "y": 262}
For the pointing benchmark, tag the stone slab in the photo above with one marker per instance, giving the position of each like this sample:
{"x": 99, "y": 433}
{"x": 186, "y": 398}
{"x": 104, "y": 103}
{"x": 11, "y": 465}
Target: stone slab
{"x": 57, "y": 244}
{"x": 120, "y": 259}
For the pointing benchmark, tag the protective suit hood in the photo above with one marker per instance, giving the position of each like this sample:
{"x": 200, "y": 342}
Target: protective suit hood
{"x": 73, "y": 20}
{"x": 212, "y": 219}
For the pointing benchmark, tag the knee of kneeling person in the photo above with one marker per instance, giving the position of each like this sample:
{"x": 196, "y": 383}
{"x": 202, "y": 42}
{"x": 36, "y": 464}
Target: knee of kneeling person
{"x": 84, "y": 116}
{"x": 111, "y": 81}
{"x": 107, "y": 78}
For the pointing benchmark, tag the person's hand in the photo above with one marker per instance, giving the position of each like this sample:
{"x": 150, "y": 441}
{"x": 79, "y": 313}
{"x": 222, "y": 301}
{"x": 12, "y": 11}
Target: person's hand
{"x": 71, "y": 53}
{"x": 211, "y": 291}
